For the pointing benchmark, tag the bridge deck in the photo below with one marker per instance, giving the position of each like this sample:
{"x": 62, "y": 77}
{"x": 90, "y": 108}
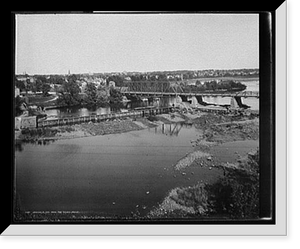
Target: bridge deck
{"x": 225, "y": 94}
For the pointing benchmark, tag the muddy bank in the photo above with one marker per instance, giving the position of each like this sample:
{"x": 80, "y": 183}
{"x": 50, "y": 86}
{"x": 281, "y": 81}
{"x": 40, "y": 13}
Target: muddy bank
{"x": 225, "y": 128}
{"x": 220, "y": 129}
{"x": 110, "y": 127}
{"x": 233, "y": 131}
{"x": 82, "y": 130}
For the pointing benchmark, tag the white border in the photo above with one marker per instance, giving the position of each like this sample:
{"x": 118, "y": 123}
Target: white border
{"x": 280, "y": 228}
{"x": 142, "y": 230}
{"x": 281, "y": 117}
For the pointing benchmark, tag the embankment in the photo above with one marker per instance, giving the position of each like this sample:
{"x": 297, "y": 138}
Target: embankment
{"x": 82, "y": 130}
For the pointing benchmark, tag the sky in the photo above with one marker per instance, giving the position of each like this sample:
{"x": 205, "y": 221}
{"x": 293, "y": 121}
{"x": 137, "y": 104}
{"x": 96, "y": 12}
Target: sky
{"x": 98, "y": 43}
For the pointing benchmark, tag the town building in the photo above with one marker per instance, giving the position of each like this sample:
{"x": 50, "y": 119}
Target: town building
{"x": 17, "y": 92}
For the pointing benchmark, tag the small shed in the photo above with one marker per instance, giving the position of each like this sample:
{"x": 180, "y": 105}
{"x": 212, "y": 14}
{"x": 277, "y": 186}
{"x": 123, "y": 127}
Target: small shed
{"x": 17, "y": 123}
{"x": 29, "y": 122}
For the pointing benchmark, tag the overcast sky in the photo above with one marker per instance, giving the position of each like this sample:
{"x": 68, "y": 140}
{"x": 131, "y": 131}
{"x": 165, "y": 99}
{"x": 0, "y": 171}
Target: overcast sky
{"x": 54, "y": 44}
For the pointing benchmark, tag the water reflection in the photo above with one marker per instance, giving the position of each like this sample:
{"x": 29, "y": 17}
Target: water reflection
{"x": 172, "y": 129}
{"x": 20, "y": 144}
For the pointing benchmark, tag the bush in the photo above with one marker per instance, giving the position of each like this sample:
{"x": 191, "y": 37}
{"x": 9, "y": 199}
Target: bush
{"x": 152, "y": 118}
{"x": 195, "y": 197}
{"x": 237, "y": 193}
{"x": 36, "y": 133}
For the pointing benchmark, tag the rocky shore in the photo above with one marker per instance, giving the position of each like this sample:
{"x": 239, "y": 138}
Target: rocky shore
{"x": 201, "y": 200}
{"x": 233, "y": 196}
{"x": 189, "y": 159}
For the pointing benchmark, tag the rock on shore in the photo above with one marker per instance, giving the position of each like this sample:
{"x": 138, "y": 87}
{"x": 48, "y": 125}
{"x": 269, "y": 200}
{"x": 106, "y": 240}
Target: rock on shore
{"x": 110, "y": 127}
{"x": 182, "y": 201}
{"x": 189, "y": 159}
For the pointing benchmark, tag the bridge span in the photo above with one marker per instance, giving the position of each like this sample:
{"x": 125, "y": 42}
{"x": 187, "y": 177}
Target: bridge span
{"x": 244, "y": 94}
{"x": 236, "y": 97}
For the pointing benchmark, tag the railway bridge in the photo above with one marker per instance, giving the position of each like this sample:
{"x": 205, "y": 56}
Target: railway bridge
{"x": 168, "y": 89}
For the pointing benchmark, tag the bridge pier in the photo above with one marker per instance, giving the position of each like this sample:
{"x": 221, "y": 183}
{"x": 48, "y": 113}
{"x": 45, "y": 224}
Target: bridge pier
{"x": 193, "y": 101}
{"x": 236, "y": 102}
{"x": 184, "y": 98}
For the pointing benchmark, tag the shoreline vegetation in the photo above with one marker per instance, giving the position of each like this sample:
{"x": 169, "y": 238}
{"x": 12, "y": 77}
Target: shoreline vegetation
{"x": 234, "y": 196}
{"x": 48, "y": 91}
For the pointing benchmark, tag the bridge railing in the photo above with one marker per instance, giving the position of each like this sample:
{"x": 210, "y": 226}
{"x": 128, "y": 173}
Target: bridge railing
{"x": 224, "y": 94}
{"x": 248, "y": 94}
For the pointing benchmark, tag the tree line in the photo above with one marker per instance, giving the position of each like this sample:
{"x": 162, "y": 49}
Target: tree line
{"x": 70, "y": 94}
{"x": 40, "y": 84}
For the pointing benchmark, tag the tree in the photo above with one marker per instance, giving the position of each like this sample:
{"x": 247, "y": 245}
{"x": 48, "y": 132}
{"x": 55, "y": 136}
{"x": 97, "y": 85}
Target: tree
{"x": 38, "y": 85}
{"x": 28, "y": 86}
{"x": 91, "y": 97}
{"x": 116, "y": 78}
{"x": 20, "y": 84}
{"x": 102, "y": 95}
{"x": 45, "y": 89}
{"x": 19, "y": 105}
{"x": 69, "y": 93}
{"x": 237, "y": 193}
{"x": 115, "y": 97}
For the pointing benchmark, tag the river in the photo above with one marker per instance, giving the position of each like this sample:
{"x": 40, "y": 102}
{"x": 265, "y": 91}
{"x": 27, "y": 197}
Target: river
{"x": 111, "y": 175}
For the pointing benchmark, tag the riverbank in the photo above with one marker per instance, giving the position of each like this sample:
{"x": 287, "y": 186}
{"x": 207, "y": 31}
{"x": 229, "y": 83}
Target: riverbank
{"x": 239, "y": 132}
{"x": 214, "y": 149}
{"x": 233, "y": 196}
{"x": 116, "y": 126}
{"x": 215, "y": 128}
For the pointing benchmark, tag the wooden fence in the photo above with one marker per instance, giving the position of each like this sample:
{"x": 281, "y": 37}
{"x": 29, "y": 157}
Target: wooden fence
{"x": 103, "y": 117}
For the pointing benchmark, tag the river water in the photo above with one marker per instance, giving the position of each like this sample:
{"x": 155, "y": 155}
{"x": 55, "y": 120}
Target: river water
{"x": 252, "y": 85}
{"x": 112, "y": 175}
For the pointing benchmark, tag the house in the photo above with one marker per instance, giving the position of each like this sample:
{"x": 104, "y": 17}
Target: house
{"x": 17, "y": 92}
{"x": 127, "y": 78}
{"x": 112, "y": 84}
{"x": 21, "y": 77}
{"x": 83, "y": 87}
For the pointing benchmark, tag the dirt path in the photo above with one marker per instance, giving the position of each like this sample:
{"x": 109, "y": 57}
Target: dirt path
{"x": 50, "y": 100}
